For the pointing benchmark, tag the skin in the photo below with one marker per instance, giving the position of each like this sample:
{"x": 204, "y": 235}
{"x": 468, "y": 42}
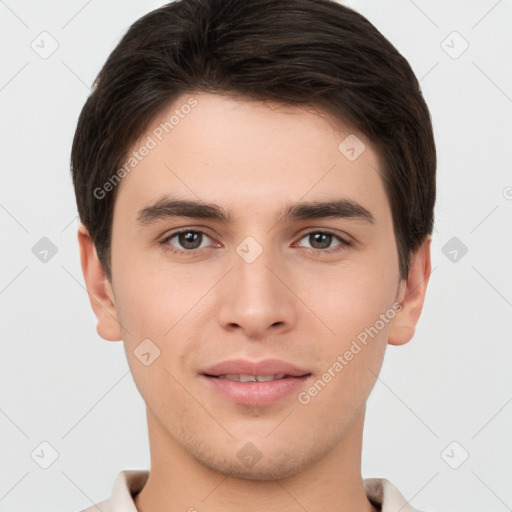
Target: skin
{"x": 295, "y": 302}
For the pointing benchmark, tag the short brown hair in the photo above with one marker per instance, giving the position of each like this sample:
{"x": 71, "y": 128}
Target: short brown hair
{"x": 300, "y": 52}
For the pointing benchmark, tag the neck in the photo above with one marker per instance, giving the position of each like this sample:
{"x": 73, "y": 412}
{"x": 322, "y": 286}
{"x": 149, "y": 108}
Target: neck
{"x": 178, "y": 482}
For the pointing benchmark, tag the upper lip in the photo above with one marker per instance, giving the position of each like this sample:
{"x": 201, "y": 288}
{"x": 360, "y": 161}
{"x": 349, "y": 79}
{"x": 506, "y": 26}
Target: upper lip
{"x": 245, "y": 367}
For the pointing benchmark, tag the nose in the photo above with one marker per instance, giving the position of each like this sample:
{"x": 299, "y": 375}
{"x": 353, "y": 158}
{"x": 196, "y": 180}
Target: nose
{"x": 257, "y": 298}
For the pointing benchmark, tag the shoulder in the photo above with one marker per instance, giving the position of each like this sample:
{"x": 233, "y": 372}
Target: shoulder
{"x": 386, "y": 496}
{"x": 127, "y": 484}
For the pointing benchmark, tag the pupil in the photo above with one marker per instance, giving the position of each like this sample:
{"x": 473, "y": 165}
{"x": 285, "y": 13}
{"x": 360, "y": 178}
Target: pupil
{"x": 320, "y": 240}
{"x": 189, "y": 240}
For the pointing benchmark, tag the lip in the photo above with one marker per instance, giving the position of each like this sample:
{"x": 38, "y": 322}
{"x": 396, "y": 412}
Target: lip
{"x": 255, "y": 394}
{"x": 264, "y": 367}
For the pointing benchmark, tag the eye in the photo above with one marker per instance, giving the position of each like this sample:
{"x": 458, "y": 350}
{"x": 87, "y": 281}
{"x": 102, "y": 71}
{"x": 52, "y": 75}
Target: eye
{"x": 322, "y": 240}
{"x": 188, "y": 240}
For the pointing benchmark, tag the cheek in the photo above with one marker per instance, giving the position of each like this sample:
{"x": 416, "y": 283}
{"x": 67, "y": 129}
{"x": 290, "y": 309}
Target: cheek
{"x": 153, "y": 296}
{"x": 156, "y": 342}
{"x": 351, "y": 298}
{"x": 351, "y": 360}
{"x": 158, "y": 308}
{"x": 356, "y": 310}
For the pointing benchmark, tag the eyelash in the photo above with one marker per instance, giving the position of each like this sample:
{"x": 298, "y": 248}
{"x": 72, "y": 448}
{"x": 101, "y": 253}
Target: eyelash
{"x": 192, "y": 252}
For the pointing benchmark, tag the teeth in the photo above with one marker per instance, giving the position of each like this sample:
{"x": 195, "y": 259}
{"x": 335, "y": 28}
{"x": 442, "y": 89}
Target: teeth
{"x": 252, "y": 378}
{"x": 266, "y": 378}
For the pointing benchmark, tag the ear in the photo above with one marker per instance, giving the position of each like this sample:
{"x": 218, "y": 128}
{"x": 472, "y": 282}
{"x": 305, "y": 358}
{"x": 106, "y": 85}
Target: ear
{"x": 101, "y": 294}
{"x": 412, "y": 295}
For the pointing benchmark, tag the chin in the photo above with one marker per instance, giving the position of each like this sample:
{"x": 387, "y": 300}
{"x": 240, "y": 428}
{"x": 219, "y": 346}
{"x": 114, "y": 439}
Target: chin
{"x": 273, "y": 461}
{"x": 263, "y": 471}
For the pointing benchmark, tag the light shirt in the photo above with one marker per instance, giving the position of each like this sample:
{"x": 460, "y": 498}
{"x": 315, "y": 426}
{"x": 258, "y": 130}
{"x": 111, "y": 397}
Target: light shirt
{"x": 380, "y": 492}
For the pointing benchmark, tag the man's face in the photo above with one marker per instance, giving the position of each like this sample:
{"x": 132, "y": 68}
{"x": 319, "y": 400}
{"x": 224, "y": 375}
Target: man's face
{"x": 262, "y": 285}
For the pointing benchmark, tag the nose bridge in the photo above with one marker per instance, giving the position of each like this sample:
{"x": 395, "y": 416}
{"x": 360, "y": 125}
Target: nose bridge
{"x": 256, "y": 282}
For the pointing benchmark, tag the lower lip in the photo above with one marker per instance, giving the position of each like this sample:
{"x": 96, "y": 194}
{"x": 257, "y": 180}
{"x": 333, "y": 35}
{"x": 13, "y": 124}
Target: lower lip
{"x": 257, "y": 394}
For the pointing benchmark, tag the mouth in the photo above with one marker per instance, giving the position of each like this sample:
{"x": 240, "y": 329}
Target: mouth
{"x": 250, "y": 378}
{"x": 255, "y": 383}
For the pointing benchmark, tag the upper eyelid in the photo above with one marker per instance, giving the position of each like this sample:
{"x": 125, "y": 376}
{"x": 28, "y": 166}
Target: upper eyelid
{"x": 344, "y": 240}
{"x": 167, "y": 237}
{"x": 178, "y": 231}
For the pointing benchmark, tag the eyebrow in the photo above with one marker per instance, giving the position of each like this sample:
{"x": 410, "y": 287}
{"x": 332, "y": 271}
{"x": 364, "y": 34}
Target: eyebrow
{"x": 167, "y": 208}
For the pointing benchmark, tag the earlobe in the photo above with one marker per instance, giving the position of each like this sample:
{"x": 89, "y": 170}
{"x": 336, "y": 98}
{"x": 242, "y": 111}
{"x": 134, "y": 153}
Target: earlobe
{"x": 412, "y": 296}
{"x": 99, "y": 288}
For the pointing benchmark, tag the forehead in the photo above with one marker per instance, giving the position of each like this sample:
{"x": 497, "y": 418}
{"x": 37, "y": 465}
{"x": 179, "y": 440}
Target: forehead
{"x": 245, "y": 155}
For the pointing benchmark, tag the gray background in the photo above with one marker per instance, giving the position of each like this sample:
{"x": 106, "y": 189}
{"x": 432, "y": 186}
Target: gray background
{"x": 61, "y": 384}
